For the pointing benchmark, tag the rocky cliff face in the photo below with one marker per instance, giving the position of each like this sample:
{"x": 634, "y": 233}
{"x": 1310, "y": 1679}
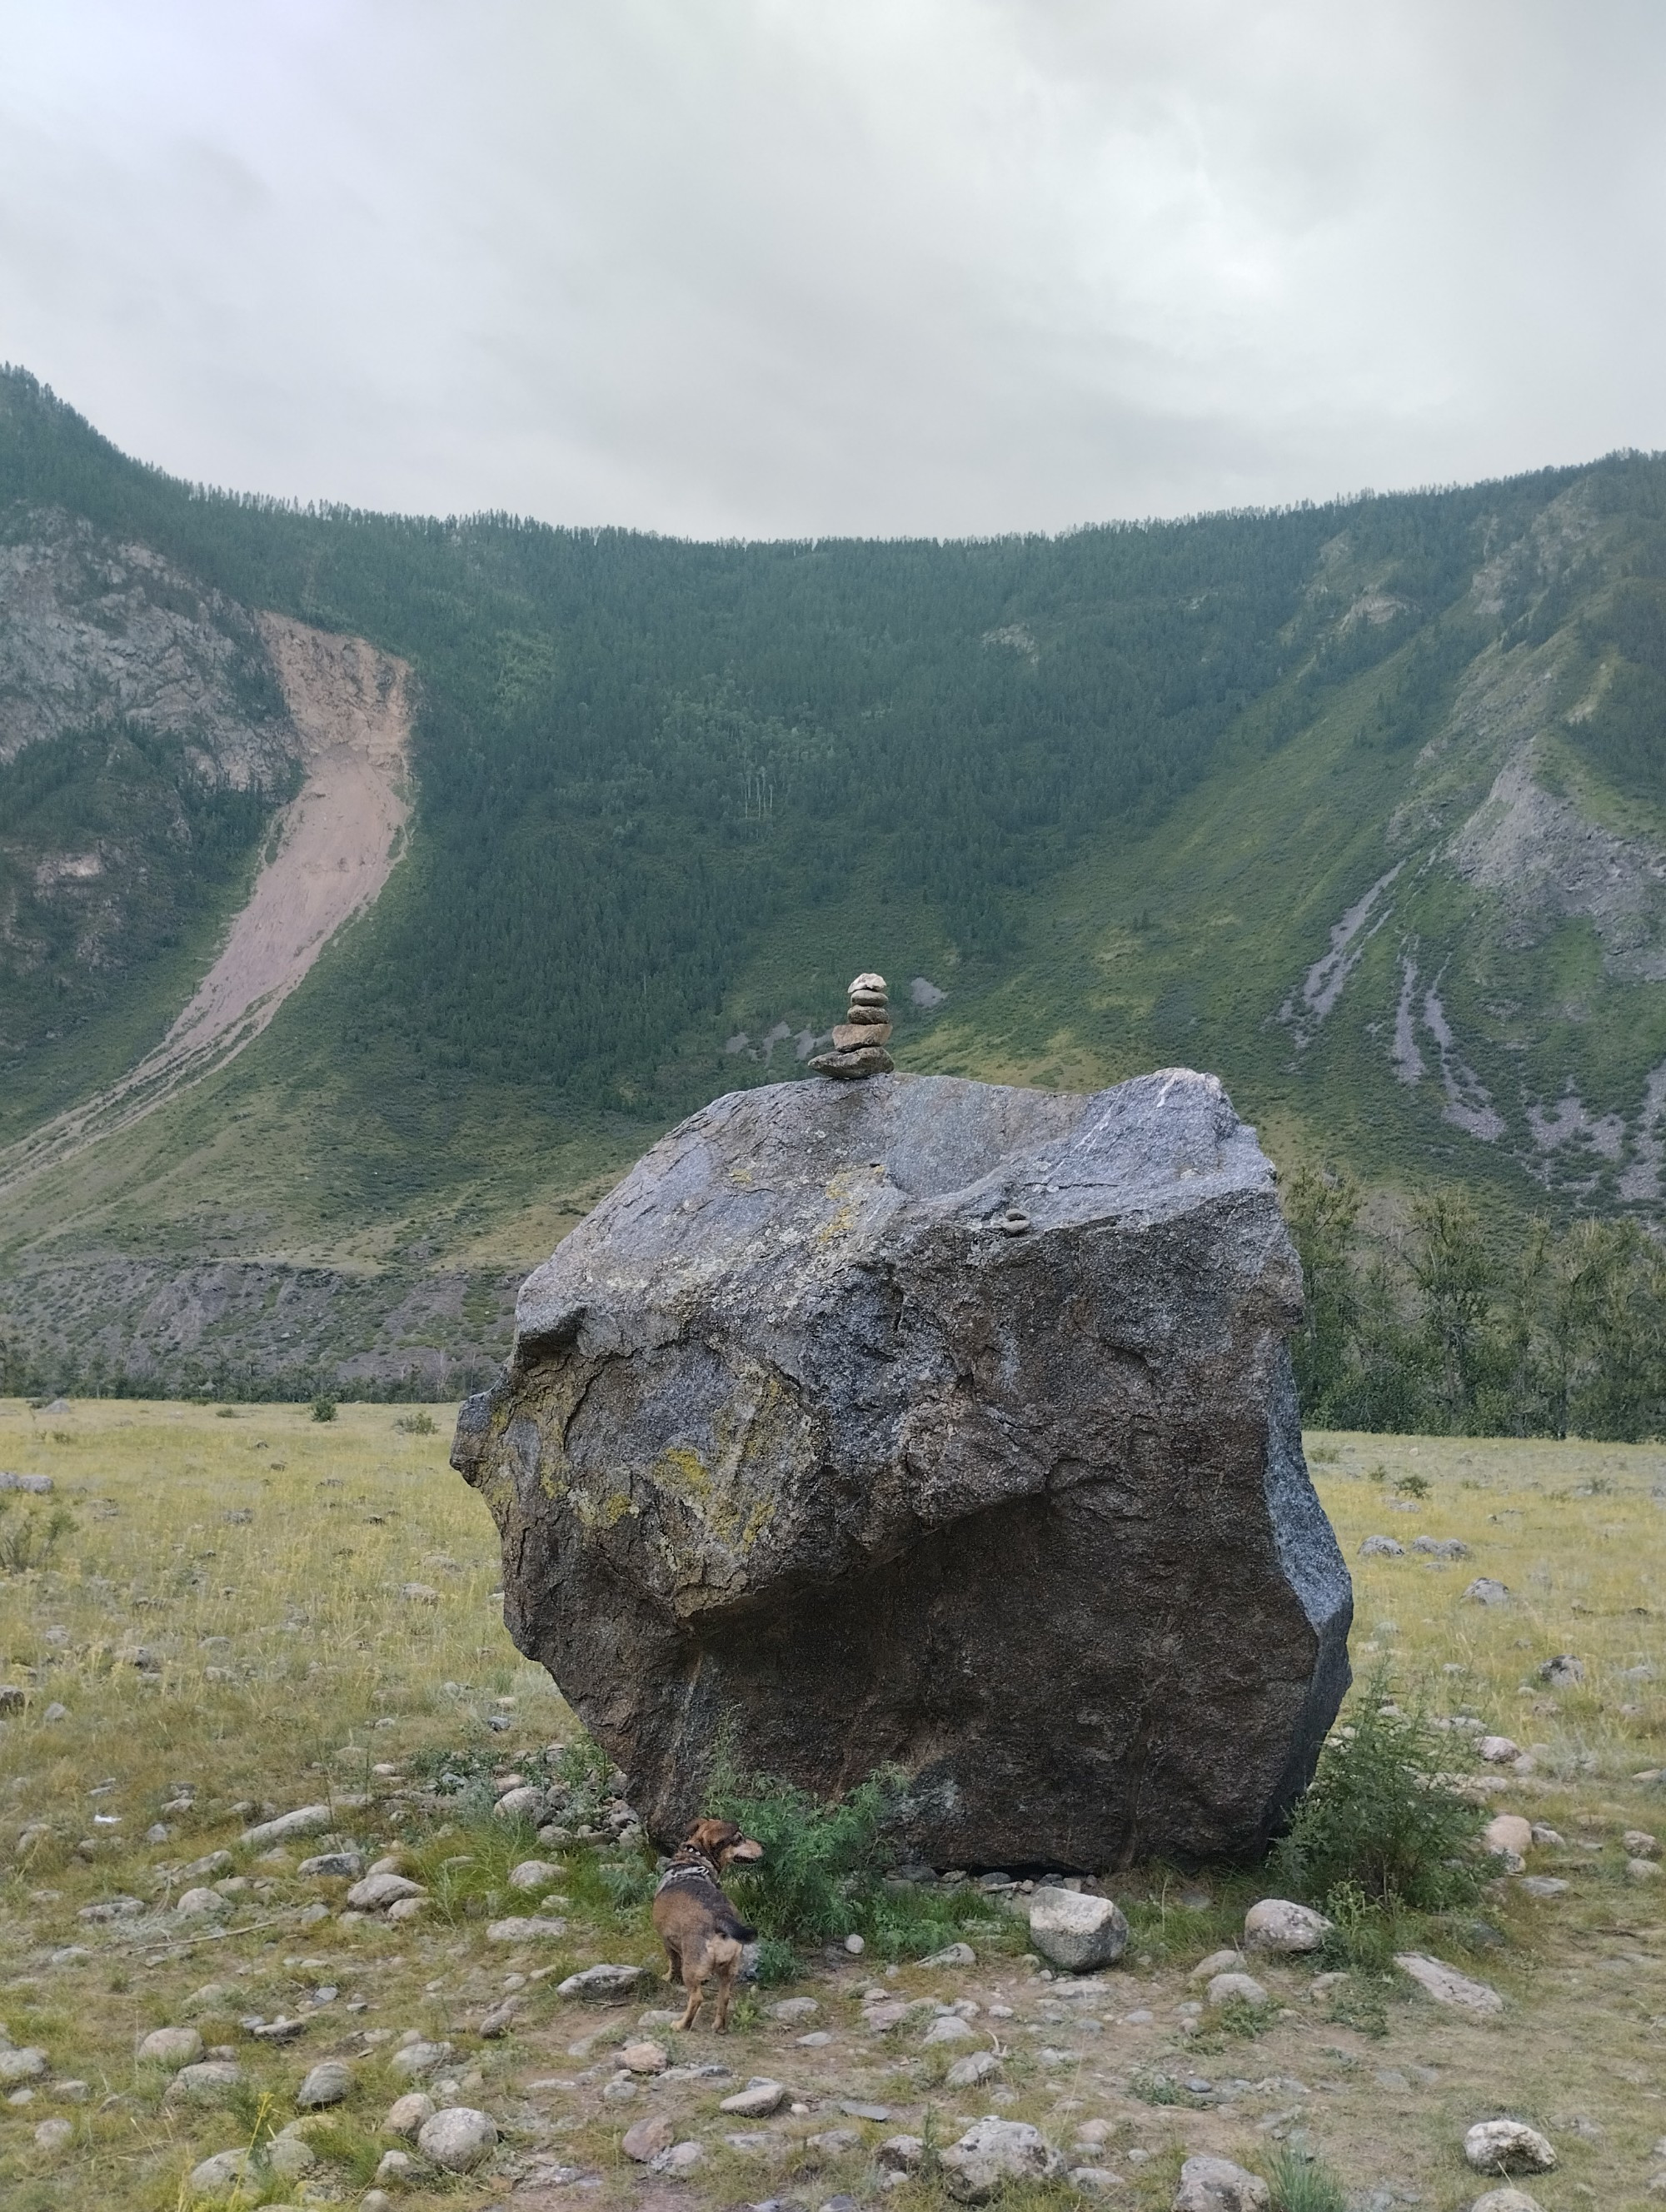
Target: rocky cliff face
{"x": 929, "y": 1422}
{"x": 93, "y": 630}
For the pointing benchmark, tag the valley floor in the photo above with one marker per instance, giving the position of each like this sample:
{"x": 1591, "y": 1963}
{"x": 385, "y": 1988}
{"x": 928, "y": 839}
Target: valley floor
{"x": 254, "y": 1612}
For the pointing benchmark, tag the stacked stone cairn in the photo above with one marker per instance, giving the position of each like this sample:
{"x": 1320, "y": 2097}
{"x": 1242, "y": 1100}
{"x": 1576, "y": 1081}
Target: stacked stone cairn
{"x": 860, "y": 1040}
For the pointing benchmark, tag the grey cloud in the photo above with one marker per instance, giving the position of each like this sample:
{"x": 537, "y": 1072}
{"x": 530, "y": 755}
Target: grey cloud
{"x": 813, "y": 265}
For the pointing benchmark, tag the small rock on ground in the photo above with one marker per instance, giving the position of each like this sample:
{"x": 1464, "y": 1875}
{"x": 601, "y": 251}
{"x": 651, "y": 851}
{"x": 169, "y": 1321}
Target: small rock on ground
{"x": 171, "y": 2047}
{"x": 330, "y": 2082}
{"x": 533, "y": 1875}
{"x": 648, "y": 2137}
{"x": 1078, "y": 1932}
{"x": 1244, "y": 1988}
{"x": 757, "y": 2100}
{"x": 407, "y": 2114}
{"x": 1215, "y": 2184}
{"x": 992, "y": 2154}
{"x": 1278, "y": 1926}
{"x": 457, "y": 2138}
{"x": 1446, "y": 1985}
{"x": 1507, "y": 2147}
{"x": 525, "y": 1930}
{"x": 966, "y": 2073}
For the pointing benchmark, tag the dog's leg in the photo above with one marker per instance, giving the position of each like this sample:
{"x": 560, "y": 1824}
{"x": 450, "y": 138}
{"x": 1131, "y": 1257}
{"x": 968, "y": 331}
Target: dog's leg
{"x": 727, "y": 1965}
{"x": 694, "y": 1981}
{"x": 674, "y": 1963}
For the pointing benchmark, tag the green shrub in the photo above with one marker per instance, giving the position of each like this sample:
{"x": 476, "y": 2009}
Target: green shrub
{"x": 1301, "y": 2181}
{"x": 30, "y": 1538}
{"x": 323, "y": 1408}
{"x": 1378, "y": 1816}
{"x": 414, "y": 1424}
{"x": 777, "y": 1962}
{"x": 1365, "y": 1933}
{"x": 820, "y": 1854}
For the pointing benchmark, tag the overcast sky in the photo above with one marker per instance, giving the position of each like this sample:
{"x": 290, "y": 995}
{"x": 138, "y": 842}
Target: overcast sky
{"x": 790, "y": 267}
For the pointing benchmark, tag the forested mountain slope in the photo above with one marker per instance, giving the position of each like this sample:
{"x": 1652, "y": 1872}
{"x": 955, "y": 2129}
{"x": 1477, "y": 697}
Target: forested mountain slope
{"x": 1364, "y": 806}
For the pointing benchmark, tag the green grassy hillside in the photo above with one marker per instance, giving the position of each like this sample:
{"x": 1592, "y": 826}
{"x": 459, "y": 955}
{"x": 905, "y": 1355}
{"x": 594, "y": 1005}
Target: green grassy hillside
{"x": 1362, "y": 806}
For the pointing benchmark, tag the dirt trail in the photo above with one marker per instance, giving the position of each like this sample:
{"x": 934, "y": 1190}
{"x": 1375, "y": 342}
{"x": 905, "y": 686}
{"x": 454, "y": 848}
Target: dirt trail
{"x": 335, "y": 846}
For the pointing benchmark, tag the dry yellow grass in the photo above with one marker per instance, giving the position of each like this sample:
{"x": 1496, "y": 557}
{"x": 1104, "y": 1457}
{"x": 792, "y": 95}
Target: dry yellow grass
{"x": 263, "y": 1561}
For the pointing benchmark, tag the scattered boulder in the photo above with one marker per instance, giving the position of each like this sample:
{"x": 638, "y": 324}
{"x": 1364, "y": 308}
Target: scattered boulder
{"x": 901, "y": 2155}
{"x": 415, "y": 2059}
{"x": 1499, "y": 1750}
{"x": 1218, "y": 1962}
{"x": 1277, "y": 1926}
{"x": 966, "y": 2073}
{"x": 952, "y": 1954}
{"x": 532, "y": 1876}
{"x": 1076, "y": 1931}
{"x": 738, "y": 1441}
{"x": 525, "y": 1803}
{"x": 22, "y": 2063}
{"x": 1446, "y": 1986}
{"x": 499, "y": 2019}
{"x": 529, "y": 1929}
{"x": 1215, "y": 2184}
{"x": 457, "y": 2138}
{"x": 330, "y": 2082}
{"x": 1484, "y": 1590}
{"x": 1507, "y": 2147}
{"x": 645, "y": 2057}
{"x": 1239, "y": 1989}
{"x": 54, "y": 2136}
{"x": 648, "y": 2137}
{"x": 994, "y": 2153}
{"x": 1441, "y": 1547}
{"x": 1508, "y": 1836}
{"x": 1564, "y": 1672}
{"x": 1382, "y": 1548}
{"x": 333, "y": 1866}
{"x": 760, "y": 2097}
{"x": 211, "y": 2082}
{"x": 1506, "y": 2200}
{"x": 171, "y": 2047}
{"x": 379, "y": 1891}
{"x": 306, "y": 1820}
{"x": 949, "y": 2027}
{"x": 603, "y": 1981}
{"x": 1639, "y": 1844}
{"x": 407, "y": 2113}
{"x": 681, "y": 2159}
{"x": 217, "y": 2178}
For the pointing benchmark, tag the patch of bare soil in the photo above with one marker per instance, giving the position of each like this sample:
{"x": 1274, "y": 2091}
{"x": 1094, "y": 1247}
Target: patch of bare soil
{"x": 332, "y": 849}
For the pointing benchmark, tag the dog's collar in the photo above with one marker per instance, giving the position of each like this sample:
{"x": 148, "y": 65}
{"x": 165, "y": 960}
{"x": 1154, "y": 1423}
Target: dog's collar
{"x": 689, "y": 1864}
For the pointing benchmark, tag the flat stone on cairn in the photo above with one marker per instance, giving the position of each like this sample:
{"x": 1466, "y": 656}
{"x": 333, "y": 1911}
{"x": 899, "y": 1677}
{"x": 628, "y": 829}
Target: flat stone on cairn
{"x": 860, "y": 1040}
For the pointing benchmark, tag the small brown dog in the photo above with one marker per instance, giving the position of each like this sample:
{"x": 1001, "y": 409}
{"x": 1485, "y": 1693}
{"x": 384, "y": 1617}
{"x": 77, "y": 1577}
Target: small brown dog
{"x": 702, "y": 1933}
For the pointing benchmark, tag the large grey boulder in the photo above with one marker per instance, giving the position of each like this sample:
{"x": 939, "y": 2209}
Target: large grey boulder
{"x": 927, "y": 1422}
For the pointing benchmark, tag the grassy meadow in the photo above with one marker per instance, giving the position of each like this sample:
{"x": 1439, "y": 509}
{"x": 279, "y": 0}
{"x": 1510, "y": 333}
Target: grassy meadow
{"x": 253, "y": 1611}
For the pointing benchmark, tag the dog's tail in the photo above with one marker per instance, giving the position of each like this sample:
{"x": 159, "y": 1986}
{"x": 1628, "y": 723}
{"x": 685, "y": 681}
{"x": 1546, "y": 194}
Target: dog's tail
{"x": 731, "y": 1924}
